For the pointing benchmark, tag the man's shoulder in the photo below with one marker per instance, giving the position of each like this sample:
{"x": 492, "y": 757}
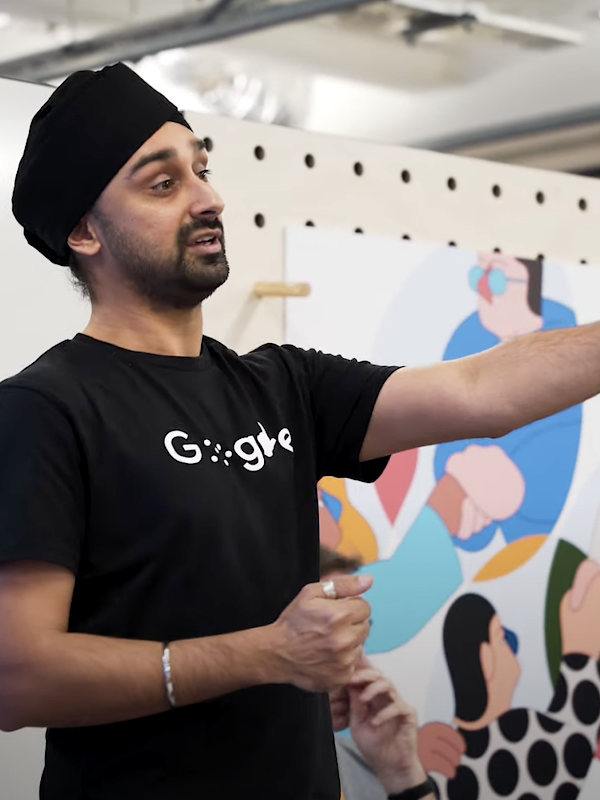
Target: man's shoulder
{"x": 270, "y": 356}
{"x": 50, "y": 375}
{"x": 267, "y": 350}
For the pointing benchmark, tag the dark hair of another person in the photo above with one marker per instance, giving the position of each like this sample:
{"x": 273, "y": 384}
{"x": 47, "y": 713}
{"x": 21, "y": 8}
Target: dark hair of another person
{"x": 332, "y": 561}
{"x": 466, "y": 627}
{"x": 534, "y": 294}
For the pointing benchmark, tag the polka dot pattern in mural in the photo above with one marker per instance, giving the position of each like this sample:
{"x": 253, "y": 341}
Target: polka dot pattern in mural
{"x": 476, "y": 742}
{"x": 568, "y": 791}
{"x": 528, "y": 755}
{"x": 586, "y": 703}
{"x": 514, "y": 724}
{"x": 503, "y": 773}
{"x": 464, "y": 786}
{"x": 542, "y": 762}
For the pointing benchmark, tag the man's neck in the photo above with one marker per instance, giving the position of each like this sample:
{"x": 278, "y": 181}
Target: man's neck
{"x": 174, "y": 333}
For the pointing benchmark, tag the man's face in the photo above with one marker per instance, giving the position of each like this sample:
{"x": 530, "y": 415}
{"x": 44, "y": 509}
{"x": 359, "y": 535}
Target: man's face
{"x": 159, "y": 222}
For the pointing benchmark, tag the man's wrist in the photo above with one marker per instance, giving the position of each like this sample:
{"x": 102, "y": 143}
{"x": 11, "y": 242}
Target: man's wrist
{"x": 397, "y": 781}
{"x": 269, "y": 665}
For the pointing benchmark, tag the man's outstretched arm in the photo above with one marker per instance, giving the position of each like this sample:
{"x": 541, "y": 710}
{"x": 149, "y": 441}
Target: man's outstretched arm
{"x": 487, "y": 394}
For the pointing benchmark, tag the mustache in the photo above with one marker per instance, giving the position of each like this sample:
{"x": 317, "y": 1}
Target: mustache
{"x": 186, "y": 232}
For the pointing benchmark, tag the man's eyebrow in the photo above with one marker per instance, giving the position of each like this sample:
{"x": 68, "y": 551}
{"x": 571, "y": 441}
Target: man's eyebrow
{"x": 162, "y": 155}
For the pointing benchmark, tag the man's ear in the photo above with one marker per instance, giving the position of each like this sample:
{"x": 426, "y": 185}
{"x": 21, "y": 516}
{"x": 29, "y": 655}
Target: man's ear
{"x": 488, "y": 661}
{"x": 84, "y": 239}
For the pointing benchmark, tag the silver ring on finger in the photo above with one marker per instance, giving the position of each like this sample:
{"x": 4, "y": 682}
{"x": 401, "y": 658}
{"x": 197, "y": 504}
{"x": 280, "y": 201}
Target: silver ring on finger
{"x": 329, "y": 590}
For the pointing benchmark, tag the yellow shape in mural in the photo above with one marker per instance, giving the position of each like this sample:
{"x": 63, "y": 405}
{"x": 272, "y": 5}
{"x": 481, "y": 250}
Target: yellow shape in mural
{"x": 511, "y": 557}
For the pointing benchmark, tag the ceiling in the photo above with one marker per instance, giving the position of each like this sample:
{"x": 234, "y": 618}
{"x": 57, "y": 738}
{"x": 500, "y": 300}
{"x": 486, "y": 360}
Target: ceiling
{"x": 477, "y": 89}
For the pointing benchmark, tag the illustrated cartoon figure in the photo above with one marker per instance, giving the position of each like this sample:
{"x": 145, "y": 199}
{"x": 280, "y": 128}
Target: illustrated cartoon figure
{"x": 342, "y": 527}
{"x": 519, "y": 752}
{"x": 424, "y": 571}
{"x": 510, "y": 303}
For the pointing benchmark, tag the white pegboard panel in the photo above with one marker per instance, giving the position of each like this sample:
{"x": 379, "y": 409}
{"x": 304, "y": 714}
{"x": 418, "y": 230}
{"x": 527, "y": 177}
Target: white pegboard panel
{"x": 378, "y": 189}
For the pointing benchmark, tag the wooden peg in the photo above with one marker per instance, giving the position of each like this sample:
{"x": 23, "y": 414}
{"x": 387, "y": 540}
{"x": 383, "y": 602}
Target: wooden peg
{"x": 280, "y": 289}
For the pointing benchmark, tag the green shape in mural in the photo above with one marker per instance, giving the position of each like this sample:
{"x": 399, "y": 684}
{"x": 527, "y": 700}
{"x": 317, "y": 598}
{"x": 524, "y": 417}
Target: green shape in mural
{"x": 566, "y": 561}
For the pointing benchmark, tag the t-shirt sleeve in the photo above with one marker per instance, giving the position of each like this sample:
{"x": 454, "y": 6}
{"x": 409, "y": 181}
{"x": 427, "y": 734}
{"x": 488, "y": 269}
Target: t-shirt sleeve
{"x": 42, "y": 496}
{"x": 343, "y": 393}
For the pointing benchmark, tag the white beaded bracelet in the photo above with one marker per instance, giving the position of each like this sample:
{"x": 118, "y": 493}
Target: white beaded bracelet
{"x": 166, "y": 666}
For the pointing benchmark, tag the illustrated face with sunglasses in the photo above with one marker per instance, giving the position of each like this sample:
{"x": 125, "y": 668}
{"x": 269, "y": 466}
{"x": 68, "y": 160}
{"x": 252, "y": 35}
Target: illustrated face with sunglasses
{"x": 497, "y": 281}
{"x": 502, "y": 284}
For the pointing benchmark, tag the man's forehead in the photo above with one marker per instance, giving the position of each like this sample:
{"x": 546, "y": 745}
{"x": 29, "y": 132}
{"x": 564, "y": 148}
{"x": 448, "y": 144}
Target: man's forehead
{"x": 171, "y": 133}
{"x": 170, "y": 137}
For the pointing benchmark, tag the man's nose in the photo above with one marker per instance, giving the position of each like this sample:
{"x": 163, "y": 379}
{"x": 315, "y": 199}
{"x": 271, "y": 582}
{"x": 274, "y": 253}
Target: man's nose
{"x": 206, "y": 203}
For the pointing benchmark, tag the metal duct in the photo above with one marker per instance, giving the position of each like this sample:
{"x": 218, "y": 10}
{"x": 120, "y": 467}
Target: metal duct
{"x": 221, "y": 21}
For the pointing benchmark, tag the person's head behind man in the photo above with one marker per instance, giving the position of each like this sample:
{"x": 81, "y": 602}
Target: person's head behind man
{"x": 133, "y": 213}
{"x": 332, "y": 563}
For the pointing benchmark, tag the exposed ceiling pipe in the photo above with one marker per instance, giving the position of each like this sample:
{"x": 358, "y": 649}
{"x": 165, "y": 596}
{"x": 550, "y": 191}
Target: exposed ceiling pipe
{"x": 511, "y": 130}
{"x": 473, "y": 11}
{"x": 218, "y": 22}
{"x": 419, "y": 24}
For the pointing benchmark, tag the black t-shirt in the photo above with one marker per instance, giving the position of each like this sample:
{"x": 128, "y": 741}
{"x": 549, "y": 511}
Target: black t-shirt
{"x": 181, "y": 493}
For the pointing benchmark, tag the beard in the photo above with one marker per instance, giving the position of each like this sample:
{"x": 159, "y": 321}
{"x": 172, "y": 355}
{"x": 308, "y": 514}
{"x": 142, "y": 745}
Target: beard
{"x": 180, "y": 281}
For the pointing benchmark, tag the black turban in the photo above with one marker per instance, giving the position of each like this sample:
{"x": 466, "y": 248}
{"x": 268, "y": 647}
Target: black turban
{"x": 78, "y": 141}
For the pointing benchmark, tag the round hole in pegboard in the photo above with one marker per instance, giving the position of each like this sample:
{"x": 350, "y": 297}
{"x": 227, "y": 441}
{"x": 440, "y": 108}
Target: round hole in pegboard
{"x": 309, "y": 160}
{"x": 406, "y": 237}
{"x": 451, "y": 244}
{"x": 452, "y": 184}
{"x": 358, "y": 230}
{"x": 583, "y": 204}
{"x": 358, "y": 168}
{"x": 259, "y": 152}
{"x": 540, "y": 257}
{"x": 496, "y": 190}
{"x": 259, "y": 221}
{"x": 208, "y": 143}
{"x": 309, "y": 223}
{"x": 541, "y": 198}
{"x": 497, "y": 249}
{"x": 583, "y": 261}
{"x": 406, "y": 176}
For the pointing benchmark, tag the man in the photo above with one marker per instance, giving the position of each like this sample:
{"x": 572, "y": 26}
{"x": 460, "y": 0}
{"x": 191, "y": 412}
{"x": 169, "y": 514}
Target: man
{"x": 160, "y": 611}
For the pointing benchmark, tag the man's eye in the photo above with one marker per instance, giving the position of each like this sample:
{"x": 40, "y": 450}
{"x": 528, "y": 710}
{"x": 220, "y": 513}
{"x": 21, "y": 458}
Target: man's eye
{"x": 163, "y": 186}
{"x": 203, "y": 174}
